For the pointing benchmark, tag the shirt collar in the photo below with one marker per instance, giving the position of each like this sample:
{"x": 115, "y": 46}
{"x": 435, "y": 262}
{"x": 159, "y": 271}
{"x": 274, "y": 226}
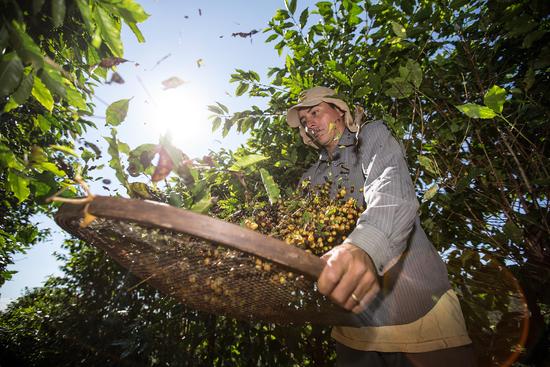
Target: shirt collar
{"x": 347, "y": 139}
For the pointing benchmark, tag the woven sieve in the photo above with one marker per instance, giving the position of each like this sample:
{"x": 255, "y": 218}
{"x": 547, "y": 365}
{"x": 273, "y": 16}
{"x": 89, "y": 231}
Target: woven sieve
{"x": 206, "y": 263}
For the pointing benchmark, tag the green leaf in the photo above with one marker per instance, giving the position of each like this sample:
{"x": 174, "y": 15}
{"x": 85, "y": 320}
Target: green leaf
{"x": 43, "y": 123}
{"x": 428, "y": 165}
{"x": 223, "y": 107}
{"x": 495, "y": 98}
{"x": 216, "y": 123}
{"x": 137, "y": 32}
{"x": 215, "y": 109}
{"x": 270, "y": 185}
{"x": 290, "y": 6}
{"x": 27, "y": 50}
{"x": 116, "y": 112}
{"x": 76, "y": 99}
{"x": 64, "y": 149}
{"x": 411, "y": 73}
{"x": 342, "y": 77}
{"x": 430, "y": 193}
{"x": 10, "y": 105}
{"x": 53, "y": 79}
{"x": 42, "y": 94}
{"x": 86, "y": 12}
{"x": 398, "y": 29}
{"x": 241, "y": 89}
{"x": 49, "y": 166}
{"x": 271, "y": 38}
{"x": 58, "y": 12}
{"x": 115, "y": 161}
{"x": 109, "y": 29}
{"x": 8, "y": 159}
{"x": 19, "y": 185}
{"x": 476, "y": 111}
{"x": 303, "y": 18}
{"x": 11, "y": 72}
{"x": 129, "y": 10}
{"x": 203, "y": 204}
{"x": 25, "y": 87}
{"x": 246, "y": 161}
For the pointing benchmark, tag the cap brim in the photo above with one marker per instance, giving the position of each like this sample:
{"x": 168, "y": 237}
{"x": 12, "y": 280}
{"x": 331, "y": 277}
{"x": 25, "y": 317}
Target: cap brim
{"x": 292, "y": 117}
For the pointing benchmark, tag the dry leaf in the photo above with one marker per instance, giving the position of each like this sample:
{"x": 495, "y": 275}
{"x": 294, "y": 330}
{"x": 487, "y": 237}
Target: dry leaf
{"x": 164, "y": 166}
{"x": 161, "y": 60}
{"x": 245, "y": 34}
{"x": 200, "y": 62}
{"x": 172, "y": 82}
{"x": 111, "y": 61}
{"x": 116, "y": 78}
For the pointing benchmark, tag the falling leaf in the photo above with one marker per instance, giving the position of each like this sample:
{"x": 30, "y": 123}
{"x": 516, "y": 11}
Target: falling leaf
{"x": 245, "y": 34}
{"x": 116, "y": 78}
{"x": 200, "y": 12}
{"x": 199, "y": 63}
{"x": 164, "y": 166}
{"x": 221, "y": 36}
{"x": 106, "y": 181}
{"x": 161, "y": 60}
{"x": 172, "y": 82}
{"x": 111, "y": 61}
{"x": 186, "y": 16}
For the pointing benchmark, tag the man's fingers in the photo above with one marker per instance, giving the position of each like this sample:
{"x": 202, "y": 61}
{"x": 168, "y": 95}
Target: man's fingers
{"x": 330, "y": 277}
{"x": 341, "y": 294}
{"x": 367, "y": 298}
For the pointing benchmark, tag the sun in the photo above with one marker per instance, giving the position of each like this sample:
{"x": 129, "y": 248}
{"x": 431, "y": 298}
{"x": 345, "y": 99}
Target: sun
{"x": 182, "y": 114}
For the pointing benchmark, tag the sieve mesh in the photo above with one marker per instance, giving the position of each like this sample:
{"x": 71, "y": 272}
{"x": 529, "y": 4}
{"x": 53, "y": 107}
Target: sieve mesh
{"x": 205, "y": 275}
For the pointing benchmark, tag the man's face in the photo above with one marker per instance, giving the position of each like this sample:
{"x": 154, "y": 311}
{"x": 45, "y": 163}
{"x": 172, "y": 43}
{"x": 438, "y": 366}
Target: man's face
{"x": 324, "y": 122}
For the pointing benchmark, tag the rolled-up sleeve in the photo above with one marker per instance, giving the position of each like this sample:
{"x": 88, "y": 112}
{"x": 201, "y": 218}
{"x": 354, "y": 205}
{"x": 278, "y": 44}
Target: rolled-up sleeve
{"x": 391, "y": 204}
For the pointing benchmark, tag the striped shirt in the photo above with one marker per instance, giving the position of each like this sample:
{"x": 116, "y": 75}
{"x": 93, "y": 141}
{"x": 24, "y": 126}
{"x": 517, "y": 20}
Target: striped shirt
{"x": 411, "y": 273}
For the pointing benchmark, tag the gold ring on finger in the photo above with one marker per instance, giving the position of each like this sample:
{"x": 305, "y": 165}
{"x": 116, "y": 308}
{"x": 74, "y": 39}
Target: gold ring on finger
{"x": 355, "y": 298}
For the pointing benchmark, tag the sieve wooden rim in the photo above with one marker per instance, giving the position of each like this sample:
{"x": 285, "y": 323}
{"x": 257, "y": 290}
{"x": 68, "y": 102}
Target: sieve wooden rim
{"x": 168, "y": 217}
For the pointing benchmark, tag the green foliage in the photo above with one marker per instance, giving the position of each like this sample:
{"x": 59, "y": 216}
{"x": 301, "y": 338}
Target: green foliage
{"x": 48, "y": 66}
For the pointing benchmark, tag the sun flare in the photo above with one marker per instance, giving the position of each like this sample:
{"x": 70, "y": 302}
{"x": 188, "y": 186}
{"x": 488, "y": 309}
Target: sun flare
{"x": 182, "y": 115}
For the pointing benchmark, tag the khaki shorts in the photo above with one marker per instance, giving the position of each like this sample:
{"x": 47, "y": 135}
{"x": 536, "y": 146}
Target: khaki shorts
{"x": 442, "y": 327}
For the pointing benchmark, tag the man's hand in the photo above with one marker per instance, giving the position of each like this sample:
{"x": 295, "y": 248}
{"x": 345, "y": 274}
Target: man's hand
{"x": 349, "y": 278}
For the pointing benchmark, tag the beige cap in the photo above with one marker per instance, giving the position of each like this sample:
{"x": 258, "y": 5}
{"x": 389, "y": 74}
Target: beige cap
{"x": 313, "y": 97}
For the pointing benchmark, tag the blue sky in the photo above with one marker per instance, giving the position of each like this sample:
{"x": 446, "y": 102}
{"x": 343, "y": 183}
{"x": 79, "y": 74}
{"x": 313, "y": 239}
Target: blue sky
{"x": 176, "y": 37}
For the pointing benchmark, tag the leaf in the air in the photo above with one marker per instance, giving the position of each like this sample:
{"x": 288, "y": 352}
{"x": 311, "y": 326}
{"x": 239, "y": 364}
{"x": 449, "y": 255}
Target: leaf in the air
{"x": 495, "y": 98}
{"x": 116, "y": 78}
{"x": 200, "y": 62}
{"x": 430, "y": 193}
{"x": 172, "y": 82}
{"x": 111, "y": 61}
{"x": 476, "y": 111}
{"x": 164, "y": 166}
{"x": 19, "y": 185}
{"x": 42, "y": 94}
{"x": 270, "y": 185}
{"x": 246, "y": 161}
{"x": 11, "y": 72}
{"x": 116, "y": 112}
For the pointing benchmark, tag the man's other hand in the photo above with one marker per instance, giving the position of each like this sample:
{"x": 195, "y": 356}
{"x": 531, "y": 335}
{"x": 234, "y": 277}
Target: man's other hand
{"x": 349, "y": 278}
